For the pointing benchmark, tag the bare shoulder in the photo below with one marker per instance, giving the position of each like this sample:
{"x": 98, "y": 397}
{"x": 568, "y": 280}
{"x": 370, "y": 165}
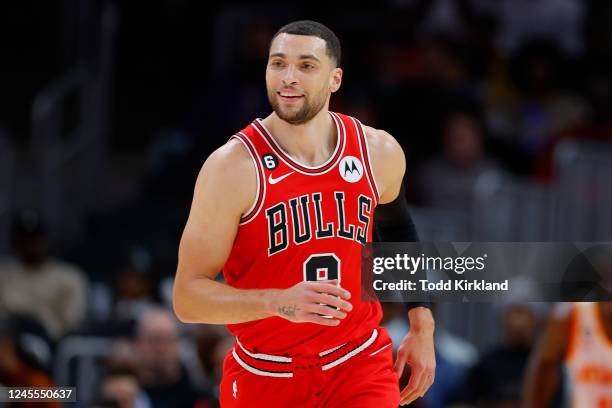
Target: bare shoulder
{"x": 388, "y": 162}
{"x": 380, "y": 142}
{"x": 231, "y": 159}
{"x": 228, "y": 175}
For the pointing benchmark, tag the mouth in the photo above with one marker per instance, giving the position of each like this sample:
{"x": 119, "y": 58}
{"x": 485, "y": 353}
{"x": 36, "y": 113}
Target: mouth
{"x": 289, "y": 97}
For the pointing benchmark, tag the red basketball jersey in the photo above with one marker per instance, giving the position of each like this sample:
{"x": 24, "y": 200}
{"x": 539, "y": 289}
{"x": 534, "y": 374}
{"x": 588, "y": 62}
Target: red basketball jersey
{"x": 307, "y": 223}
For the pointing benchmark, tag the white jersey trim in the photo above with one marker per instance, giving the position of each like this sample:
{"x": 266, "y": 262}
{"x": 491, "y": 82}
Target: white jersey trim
{"x": 339, "y": 125}
{"x": 281, "y": 359}
{"x": 256, "y": 371}
{"x": 338, "y": 142}
{"x": 352, "y": 353}
{"x": 379, "y": 350}
{"x": 261, "y": 356}
{"x": 252, "y": 212}
{"x": 368, "y": 164}
{"x": 331, "y": 350}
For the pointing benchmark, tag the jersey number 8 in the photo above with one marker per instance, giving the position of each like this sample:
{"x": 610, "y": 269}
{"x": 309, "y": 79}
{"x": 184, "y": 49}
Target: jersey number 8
{"x": 322, "y": 267}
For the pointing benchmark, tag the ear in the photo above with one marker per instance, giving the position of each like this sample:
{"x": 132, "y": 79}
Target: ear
{"x": 335, "y": 79}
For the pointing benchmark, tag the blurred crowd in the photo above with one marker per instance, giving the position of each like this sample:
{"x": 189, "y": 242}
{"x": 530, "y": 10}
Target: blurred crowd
{"x": 139, "y": 355}
{"x": 466, "y": 86}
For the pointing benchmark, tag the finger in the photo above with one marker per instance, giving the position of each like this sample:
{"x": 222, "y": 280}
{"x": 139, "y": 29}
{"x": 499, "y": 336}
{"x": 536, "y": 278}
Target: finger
{"x": 412, "y": 397}
{"x": 329, "y": 288}
{"x": 332, "y": 287}
{"x": 333, "y": 301}
{"x": 423, "y": 385}
{"x": 430, "y": 380}
{"x": 315, "y": 318}
{"x": 325, "y": 311}
{"x": 327, "y": 281}
{"x": 409, "y": 398}
{"x": 409, "y": 393}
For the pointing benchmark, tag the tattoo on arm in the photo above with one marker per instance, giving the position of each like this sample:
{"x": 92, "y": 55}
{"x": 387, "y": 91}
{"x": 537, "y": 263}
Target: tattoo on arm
{"x": 288, "y": 311}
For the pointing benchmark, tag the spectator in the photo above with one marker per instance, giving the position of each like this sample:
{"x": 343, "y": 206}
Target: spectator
{"x": 454, "y": 357}
{"x": 36, "y": 286}
{"x": 448, "y": 180}
{"x": 495, "y": 381}
{"x": 134, "y": 288}
{"x": 547, "y": 106}
{"x": 122, "y": 357}
{"x": 123, "y": 387}
{"x": 598, "y": 94}
{"x": 558, "y": 20}
{"x": 15, "y": 371}
{"x": 161, "y": 373}
{"x": 213, "y": 345}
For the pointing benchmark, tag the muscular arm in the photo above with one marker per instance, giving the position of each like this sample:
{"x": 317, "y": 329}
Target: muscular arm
{"x": 393, "y": 223}
{"x": 417, "y": 348}
{"x": 543, "y": 371}
{"x": 392, "y": 219}
{"x": 221, "y": 195}
{"x": 225, "y": 189}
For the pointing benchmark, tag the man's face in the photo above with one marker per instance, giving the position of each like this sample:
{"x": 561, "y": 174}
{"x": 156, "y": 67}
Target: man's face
{"x": 159, "y": 341}
{"x": 300, "y": 77}
{"x": 519, "y": 327}
{"x": 463, "y": 140}
{"x": 122, "y": 388}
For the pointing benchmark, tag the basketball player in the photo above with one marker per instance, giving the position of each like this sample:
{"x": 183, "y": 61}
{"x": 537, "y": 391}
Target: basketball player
{"x": 578, "y": 336}
{"x": 284, "y": 208}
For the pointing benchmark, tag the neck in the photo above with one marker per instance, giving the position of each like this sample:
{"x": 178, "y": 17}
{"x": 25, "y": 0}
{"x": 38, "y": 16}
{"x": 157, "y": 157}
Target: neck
{"x": 310, "y": 143}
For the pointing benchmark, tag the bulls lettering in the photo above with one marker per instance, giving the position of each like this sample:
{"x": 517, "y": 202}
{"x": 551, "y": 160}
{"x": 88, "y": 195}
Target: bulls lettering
{"x": 321, "y": 231}
{"x": 277, "y": 228}
{"x": 300, "y": 237}
{"x": 342, "y": 232}
{"x": 308, "y": 219}
{"x": 365, "y": 205}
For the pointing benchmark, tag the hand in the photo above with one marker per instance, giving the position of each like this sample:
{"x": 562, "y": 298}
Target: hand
{"x": 308, "y": 302}
{"x": 417, "y": 350}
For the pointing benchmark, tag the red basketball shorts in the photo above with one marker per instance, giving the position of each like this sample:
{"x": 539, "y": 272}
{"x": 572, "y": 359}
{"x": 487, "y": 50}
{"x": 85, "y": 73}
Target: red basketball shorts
{"x": 357, "y": 374}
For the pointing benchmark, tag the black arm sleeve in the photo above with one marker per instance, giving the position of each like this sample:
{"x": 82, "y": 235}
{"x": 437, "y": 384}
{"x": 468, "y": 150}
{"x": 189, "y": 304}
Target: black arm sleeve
{"x": 393, "y": 223}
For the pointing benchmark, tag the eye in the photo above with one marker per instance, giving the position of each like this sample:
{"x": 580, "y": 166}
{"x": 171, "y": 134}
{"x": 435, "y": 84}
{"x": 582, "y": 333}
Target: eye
{"x": 276, "y": 63}
{"x": 308, "y": 66}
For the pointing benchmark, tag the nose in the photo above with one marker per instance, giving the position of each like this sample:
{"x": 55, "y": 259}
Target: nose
{"x": 289, "y": 77}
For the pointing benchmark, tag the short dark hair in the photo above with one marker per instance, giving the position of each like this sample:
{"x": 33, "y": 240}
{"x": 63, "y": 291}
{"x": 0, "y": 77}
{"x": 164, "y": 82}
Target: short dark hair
{"x": 312, "y": 28}
{"x": 27, "y": 223}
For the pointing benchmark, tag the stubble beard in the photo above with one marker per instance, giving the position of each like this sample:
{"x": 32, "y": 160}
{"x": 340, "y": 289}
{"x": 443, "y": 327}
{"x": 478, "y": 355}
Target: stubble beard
{"x": 308, "y": 110}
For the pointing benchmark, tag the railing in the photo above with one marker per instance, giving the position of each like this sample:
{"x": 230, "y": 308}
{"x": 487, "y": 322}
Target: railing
{"x": 507, "y": 208}
{"x": 440, "y": 225}
{"x": 79, "y": 362}
{"x": 584, "y": 191}
{"x": 577, "y": 206}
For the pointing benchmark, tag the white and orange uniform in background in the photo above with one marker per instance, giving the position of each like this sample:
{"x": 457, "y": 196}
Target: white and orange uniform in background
{"x": 589, "y": 358}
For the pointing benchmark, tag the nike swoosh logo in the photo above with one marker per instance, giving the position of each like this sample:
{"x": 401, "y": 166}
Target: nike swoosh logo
{"x": 273, "y": 180}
